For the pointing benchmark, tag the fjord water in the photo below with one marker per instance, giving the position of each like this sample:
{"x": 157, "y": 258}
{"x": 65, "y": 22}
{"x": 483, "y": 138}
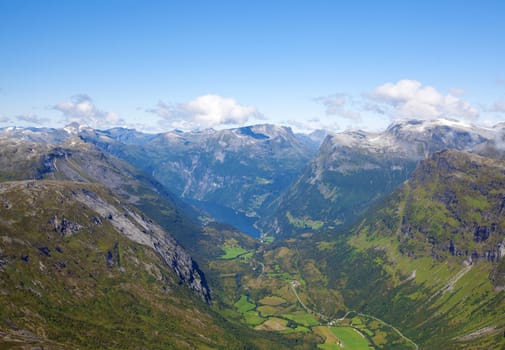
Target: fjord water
{"x": 230, "y": 216}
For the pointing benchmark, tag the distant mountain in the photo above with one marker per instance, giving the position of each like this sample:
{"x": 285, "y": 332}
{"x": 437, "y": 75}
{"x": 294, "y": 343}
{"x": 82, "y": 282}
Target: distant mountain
{"x": 45, "y": 135}
{"x": 495, "y": 146}
{"x": 355, "y": 168}
{"x": 233, "y": 174}
{"x": 314, "y": 139}
{"x": 128, "y": 136}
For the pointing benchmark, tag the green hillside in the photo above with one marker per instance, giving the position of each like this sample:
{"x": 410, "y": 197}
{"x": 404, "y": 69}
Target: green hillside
{"x": 89, "y": 274}
{"x": 428, "y": 259}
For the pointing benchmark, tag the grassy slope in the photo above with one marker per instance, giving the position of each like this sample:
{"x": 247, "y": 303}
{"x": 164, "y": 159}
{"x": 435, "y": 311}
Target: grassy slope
{"x": 398, "y": 266}
{"x": 95, "y": 288}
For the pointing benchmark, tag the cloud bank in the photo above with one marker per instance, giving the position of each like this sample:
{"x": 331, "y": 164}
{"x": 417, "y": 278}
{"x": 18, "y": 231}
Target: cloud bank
{"x": 4, "y": 119}
{"x": 208, "y": 111}
{"x": 32, "y": 119}
{"x": 82, "y": 110}
{"x": 409, "y": 98}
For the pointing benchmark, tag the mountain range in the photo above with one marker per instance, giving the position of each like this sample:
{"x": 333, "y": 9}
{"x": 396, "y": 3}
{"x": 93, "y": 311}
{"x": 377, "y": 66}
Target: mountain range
{"x": 355, "y": 168}
{"x": 391, "y": 239}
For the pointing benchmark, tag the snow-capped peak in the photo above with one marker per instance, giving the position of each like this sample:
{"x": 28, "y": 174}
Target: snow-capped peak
{"x": 74, "y": 128}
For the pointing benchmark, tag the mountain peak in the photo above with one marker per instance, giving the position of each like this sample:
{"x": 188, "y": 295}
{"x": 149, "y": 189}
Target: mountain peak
{"x": 421, "y": 125}
{"x": 263, "y": 131}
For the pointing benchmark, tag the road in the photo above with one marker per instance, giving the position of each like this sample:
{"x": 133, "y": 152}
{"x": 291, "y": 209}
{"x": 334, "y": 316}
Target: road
{"x": 293, "y": 285}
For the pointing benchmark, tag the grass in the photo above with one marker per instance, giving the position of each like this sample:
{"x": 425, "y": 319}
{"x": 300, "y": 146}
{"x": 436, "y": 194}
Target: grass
{"x": 304, "y": 319}
{"x": 253, "y": 318}
{"x": 232, "y": 252}
{"x": 272, "y": 301}
{"x": 350, "y": 338}
{"x": 243, "y": 304}
{"x": 267, "y": 310}
{"x": 331, "y": 342}
{"x": 298, "y": 329}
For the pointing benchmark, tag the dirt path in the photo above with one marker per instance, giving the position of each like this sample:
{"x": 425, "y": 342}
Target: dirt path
{"x": 393, "y": 327}
{"x": 305, "y": 307}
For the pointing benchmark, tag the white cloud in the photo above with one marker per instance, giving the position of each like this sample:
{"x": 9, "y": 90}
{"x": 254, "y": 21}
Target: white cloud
{"x": 32, "y": 119}
{"x": 82, "y": 110}
{"x": 205, "y": 112}
{"x": 4, "y": 119}
{"x": 336, "y": 105}
{"x": 409, "y": 98}
{"x": 374, "y": 107}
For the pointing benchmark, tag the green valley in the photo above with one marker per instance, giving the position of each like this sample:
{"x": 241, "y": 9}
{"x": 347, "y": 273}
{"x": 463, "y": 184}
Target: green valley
{"x": 93, "y": 247}
{"x": 252, "y": 175}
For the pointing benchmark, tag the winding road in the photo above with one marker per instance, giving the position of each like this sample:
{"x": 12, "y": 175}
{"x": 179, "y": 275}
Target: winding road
{"x": 293, "y": 287}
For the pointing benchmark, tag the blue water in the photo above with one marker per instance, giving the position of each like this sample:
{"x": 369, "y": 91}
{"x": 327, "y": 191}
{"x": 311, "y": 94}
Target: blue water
{"x": 231, "y": 217}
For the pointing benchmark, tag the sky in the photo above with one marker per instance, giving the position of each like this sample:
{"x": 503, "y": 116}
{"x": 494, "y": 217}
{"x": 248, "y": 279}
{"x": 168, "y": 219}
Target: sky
{"x": 332, "y": 64}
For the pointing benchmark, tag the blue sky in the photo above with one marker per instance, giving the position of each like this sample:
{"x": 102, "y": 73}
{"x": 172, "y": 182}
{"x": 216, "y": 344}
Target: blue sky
{"x": 158, "y": 65}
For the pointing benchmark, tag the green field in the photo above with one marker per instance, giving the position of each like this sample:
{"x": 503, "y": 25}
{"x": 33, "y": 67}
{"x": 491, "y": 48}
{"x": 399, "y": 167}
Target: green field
{"x": 350, "y": 338}
{"x": 304, "y": 319}
{"x": 299, "y": 329}
{"x": 232, "y": 252}
{"x": 252, "y": 318}
{"x": 244, "y": 305}
{"x": 272, "y": 300}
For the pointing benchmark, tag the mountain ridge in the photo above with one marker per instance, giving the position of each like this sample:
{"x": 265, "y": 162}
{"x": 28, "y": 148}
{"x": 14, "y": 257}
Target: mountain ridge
{"x": 355, "y": 168}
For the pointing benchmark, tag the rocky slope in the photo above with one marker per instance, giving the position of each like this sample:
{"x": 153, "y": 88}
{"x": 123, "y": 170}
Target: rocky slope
{"x": 355, "y": 168}
{"x": 126, "y": 220}
{"x": 77, "y": 263}
{"x": 76, "y": 160}
{"x": 455, "y": 202}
